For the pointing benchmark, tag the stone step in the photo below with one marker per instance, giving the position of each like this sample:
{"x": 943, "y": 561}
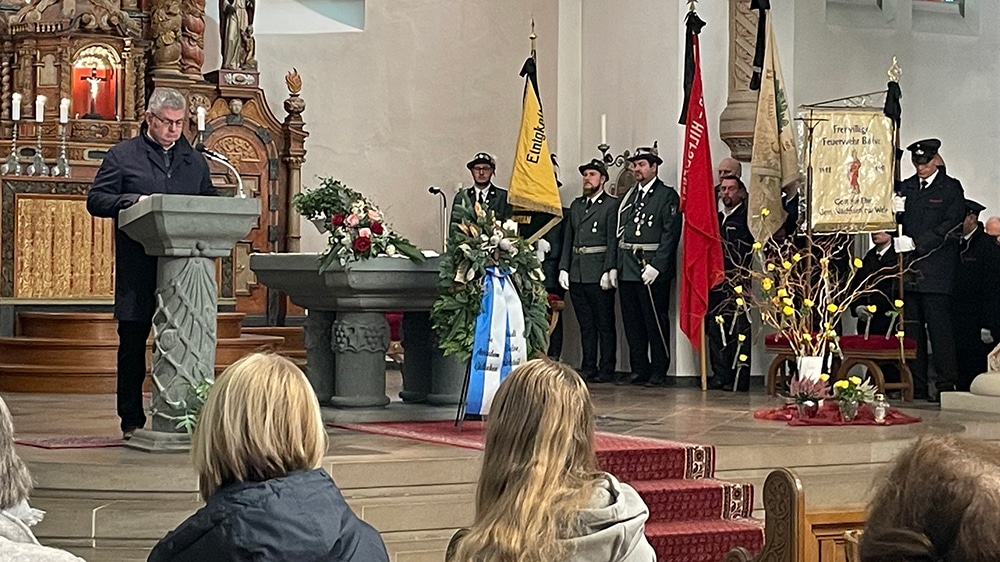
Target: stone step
{"x": 98, "y": 326}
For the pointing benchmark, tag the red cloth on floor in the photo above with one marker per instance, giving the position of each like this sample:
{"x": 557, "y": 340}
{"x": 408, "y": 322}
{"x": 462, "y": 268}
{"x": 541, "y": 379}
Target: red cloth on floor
{"x": 829, "y": 414}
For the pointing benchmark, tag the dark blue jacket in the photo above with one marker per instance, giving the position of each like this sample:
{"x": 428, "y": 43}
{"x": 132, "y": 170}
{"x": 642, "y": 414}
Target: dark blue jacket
{"x": 133, "y": 168}
{"x": 301, "y": 517}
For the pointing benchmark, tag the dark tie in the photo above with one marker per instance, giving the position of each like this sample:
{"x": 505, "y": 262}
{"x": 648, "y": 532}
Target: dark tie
{"x": 166, "y": 157}
{"x": 923, "y": 184}
{"x": 589, "y": 202}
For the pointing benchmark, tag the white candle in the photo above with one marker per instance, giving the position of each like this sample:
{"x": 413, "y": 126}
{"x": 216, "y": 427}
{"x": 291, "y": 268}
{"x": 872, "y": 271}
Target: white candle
{"x": 604, "y": 128}
{"x": 64, "y": 111}
{"x": 40, "y": 108}
{"x": 201, "y": 119}
{"x": 15, "y": 106}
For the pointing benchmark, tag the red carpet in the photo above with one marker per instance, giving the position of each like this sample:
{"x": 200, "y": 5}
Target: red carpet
{"x": 68, "y": 441}
{"x": 692, "y": 517}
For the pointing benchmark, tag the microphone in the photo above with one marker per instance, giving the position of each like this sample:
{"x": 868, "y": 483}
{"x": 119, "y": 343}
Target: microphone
{"x": 200, "y": 147}
{"x": 444, "y": 215}
{"x": 434, "y": 190}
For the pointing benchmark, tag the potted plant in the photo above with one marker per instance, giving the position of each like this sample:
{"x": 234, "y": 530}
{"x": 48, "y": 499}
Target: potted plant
{"x": 808, "y": 394}
{"x": 851, "y": 393}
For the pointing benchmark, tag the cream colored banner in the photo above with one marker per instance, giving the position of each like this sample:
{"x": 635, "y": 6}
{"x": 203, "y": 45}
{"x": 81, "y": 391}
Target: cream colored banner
{"x": 852, "y": 171}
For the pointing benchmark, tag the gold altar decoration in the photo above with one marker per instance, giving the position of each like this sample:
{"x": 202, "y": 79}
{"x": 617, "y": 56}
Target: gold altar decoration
{"x": 852, "y": 158}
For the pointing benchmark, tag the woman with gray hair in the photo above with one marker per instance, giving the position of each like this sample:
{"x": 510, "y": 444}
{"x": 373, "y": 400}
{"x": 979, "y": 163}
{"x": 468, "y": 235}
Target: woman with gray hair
{"x": 17, "y": 542}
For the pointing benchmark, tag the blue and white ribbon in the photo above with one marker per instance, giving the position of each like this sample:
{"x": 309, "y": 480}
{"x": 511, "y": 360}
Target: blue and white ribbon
{"x": 499, "y": 344}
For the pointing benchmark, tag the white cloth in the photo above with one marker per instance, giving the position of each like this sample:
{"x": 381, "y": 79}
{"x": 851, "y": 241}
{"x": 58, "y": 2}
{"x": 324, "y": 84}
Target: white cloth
{"x": 903, "y": 244}
{"x": 649, "y": 274}
{"x": 986, "y": 335}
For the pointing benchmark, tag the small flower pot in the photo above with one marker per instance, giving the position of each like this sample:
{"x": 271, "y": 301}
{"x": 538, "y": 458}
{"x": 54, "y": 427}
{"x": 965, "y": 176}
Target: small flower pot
{"x": 848, "y": 409}
{"x": 807, "y": 409}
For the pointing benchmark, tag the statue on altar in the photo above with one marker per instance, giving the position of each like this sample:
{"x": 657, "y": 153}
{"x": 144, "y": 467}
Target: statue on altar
{"x": 988, "y": 383}
{"x": 236, "y": 27}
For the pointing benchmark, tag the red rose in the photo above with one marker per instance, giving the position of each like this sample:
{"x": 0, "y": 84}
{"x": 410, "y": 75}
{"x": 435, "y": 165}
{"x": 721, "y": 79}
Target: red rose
{"x": 362, "y": 244}
{"x": 377, "y": 228}
{"x": 338, "y": 219}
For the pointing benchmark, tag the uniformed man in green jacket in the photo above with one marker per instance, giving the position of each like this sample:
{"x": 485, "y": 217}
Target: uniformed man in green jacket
{"x": 648, "y": 228}
{"x": 586, "y": 268}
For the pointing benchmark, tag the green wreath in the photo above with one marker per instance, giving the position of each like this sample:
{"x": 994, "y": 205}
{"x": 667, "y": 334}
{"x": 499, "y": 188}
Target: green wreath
{"x": 479, "y": 241}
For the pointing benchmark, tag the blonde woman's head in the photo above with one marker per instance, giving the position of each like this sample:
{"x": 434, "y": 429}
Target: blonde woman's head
{"x": 15, "y": 481}
{"x": 261, "y": 421}
{"x": 539, "y": 467}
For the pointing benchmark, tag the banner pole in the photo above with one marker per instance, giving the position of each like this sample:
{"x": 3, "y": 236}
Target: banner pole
{"x": 704, "y": 358}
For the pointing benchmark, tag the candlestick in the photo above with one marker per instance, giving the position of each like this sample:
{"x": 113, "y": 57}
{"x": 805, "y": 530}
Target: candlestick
{"x": 61, "y": 167}
{"x": 40, "y": 108}
{"x": 611, "y": 160}
{"x": 12, "y": 165}
{"x": 64, "y": 111}
{"x": 201, "y": 119}
{"x": 604, "y": 128}
{"x": 15, "y": 106}
{"x": 38, "y": 167}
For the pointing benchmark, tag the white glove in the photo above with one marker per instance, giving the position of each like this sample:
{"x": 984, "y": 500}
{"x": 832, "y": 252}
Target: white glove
{"x": 564, "y": 279}
{"x": 903, "y": 244}
{"x": 613, "y": 278}
{"x": 606, "y": 282}
{"x": 986, "y": 335}
{"x": 898, "y": 203}
{"x": 542, "y": 247}
{"x": 862, "y": 313}
{"x": 649, "y": 274}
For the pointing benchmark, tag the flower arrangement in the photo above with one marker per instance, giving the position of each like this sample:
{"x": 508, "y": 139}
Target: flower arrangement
{"x": 479, "y": 241}
{"x": 803, "y": 292}
{"x": 853, "y": 389}
{"x": 804, "y": 389}
{"x": 356, "y": 227}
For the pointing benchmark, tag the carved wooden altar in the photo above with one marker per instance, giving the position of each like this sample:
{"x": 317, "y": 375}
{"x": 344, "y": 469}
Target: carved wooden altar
{"x": 105, "y": 57}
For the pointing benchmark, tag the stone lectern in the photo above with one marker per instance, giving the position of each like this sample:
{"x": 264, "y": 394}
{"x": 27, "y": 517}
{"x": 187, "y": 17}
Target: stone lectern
{"x": 187, "y": 233}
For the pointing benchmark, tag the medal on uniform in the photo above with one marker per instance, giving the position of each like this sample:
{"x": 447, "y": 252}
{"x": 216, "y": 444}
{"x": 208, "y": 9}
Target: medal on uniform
{"x": 594, "y": 230}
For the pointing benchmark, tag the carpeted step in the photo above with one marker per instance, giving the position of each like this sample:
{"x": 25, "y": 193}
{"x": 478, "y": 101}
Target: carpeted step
{"x": 694, "y": 500}
{"x": 635, "y": 458}
{"x": 703, "y": 541}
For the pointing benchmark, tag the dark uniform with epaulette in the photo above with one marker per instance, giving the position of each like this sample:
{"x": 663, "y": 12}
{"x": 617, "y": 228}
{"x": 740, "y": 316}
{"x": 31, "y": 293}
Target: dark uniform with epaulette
{"x": 975, "y": 300}
{"x": 649, "y": 227}
{"x": 932, "y": 217}
{"x": 737, "y": 248}
{"x": 589, "y": 234}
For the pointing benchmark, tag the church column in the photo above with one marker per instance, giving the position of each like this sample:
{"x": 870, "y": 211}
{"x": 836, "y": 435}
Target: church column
{"x": 128, "y": 88}
{"x": 737, "y": 121}
{"x": 165, "y": 27}
{"x": 6, "y": 87}
{"x": 193, "y": 38}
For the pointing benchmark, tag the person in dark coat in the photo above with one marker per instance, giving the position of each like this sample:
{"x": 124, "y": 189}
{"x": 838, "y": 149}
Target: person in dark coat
{"x": 585, "y": 269}
{"x": 737, "y": 257}
{"x": 881, "y": 260}
{"x": 159, "y": 160}
{"x": 933, "y": 206}
{"x": 492, "y": 198}
{"x": 257, "y": 449}
{"x": 975, "y": 300}
{"x": 648, "y": 229}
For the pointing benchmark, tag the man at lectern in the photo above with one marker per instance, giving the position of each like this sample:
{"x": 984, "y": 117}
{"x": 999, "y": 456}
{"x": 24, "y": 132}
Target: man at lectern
{"x": 159, "y": 160}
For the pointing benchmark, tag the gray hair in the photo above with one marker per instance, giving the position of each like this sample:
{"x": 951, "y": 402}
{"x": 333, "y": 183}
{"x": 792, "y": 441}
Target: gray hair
{"x": 168, "y": 98}
{"x": 15, "y": 481}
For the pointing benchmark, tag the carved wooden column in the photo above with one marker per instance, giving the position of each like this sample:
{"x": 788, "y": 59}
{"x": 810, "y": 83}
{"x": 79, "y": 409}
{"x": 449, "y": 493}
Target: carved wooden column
{"x": 139, "y": 82}
{"x": 294, "y": 156}
{"x": 165, "y": 28}
{"x": 737, "y": 121}
{"x": 193, "y": 37}
{"x": 128, "y": 84}
{"x": 6, "y": 86}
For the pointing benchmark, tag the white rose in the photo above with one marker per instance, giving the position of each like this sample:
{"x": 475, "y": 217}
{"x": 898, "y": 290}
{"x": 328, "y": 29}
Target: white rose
{"x": 390, "y": 250}
{"x": 510, "y": 226}
{"x": 506, "y": 245}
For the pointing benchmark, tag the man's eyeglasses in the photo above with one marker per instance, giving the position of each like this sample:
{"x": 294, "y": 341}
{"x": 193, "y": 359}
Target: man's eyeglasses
{"x": 482, "y": 168}
{"x": 168, "y": 122}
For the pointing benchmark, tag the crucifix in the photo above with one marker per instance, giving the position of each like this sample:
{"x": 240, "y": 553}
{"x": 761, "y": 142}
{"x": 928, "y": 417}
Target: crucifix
{"x": 95, "y": 82}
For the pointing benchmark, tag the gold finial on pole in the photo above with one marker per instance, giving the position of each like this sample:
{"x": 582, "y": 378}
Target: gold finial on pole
{"x": 532, "y": 36}
{"x": 691, "y": 4}
{"x": 895, "y": 72}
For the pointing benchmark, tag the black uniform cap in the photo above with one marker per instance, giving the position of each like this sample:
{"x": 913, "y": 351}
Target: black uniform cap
{"x": 973, "y": 207}
{"x": 482, "y": 158}
{"x": 596, "y": 165}
{"x": 648, "y": 153}
{"x": 923, "y": 150}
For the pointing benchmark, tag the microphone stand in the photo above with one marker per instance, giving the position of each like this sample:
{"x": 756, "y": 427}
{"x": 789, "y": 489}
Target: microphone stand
{"x": 443, "y": 211}
{"x": 216, "y": 157}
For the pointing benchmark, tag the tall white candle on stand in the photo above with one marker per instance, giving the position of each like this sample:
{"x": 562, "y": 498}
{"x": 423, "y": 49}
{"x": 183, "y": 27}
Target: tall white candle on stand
{"x": 604, "y": 128}
{"x": 15, "y": 106}
{"x": 64, "y": 111}
{"x": 40, "y": 108}
{"x": 201, "y": 119}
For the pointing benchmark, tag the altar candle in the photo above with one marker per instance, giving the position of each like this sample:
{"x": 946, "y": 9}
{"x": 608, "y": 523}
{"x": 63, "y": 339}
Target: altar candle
{"x": 201, "y": 119}
{"x": 64, "y": 111}
{"x": 40, "y": 108}
{"x": 15, "y": 106}
{"x": 604, "y": 128}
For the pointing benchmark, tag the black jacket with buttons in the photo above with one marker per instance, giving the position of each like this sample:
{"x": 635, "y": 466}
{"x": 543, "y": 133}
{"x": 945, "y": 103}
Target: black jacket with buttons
{"x": 301, "y": 517}
{"x": 933, "y": 218}
{"x": 133, "y": 168}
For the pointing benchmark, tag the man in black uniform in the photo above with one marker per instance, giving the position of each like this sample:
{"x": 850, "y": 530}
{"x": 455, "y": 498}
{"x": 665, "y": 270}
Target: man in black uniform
{"x": 490, "y": 197}
{"x": 737, "y": 247}
{"x": 881, "y": 260}
{"x": 933, "y": 205}
{"x": 586, "y": 268}
{"x": 975, "y": 300}
{"x": 648, "y": 228}
{"x": 159, "y": 160}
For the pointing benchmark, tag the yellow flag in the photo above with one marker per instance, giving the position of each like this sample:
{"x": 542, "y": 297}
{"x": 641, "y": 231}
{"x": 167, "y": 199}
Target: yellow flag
{"x": 533, "y": 189}
{"x": 774, "y": 165}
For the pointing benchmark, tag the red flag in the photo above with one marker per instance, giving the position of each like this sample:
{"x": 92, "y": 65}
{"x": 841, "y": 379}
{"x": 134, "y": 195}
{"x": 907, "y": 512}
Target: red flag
{"x": 702, "y": 268}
